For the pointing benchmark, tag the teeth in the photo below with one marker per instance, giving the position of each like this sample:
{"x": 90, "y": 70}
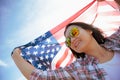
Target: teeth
{"x": 76, "y": 43}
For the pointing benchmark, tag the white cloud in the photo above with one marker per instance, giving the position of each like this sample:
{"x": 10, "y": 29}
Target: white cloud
{"x": 3, "y": 64}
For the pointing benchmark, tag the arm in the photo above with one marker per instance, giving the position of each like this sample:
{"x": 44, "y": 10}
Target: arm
{"x": 32, "y": 73}
{"x": 23, "y": 65}
{"x": 113, "y": 42}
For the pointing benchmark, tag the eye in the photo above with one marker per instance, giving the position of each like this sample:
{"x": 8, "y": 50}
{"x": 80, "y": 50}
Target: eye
{"x": 74, "y": 32}
{"x": 68, "y": 42}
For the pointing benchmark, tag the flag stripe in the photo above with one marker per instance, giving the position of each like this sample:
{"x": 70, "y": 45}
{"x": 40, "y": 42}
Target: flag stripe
{"x": 64, "y": 23}
{"x": 62, "y": 58}
{"x": 71, "y": 59}
{"x": 58, "y": 56}
{"x": 59, "y": 34}
{"x": 86, "y": 16}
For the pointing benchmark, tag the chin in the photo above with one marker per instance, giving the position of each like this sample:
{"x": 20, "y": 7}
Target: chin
{"x": 78, "y": 51}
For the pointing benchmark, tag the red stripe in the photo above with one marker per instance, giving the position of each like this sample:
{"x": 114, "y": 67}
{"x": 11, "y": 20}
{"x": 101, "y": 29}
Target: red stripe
{"x": 71, "y": 59}
{"x": 62, "y": 58}
{"x": 64, "y": 23}
{"x": 59, "y": 34}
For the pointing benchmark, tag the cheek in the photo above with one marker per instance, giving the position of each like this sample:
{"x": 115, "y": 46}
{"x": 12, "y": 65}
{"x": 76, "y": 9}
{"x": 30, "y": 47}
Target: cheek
{"x": 82, "y": 45}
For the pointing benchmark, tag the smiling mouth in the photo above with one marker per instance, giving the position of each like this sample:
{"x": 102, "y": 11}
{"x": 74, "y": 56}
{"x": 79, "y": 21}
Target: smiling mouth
{"x": 76, "y": 43}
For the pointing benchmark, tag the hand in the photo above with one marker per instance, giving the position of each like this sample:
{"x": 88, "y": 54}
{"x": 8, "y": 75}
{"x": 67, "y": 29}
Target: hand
{"x": 16, "y": 51}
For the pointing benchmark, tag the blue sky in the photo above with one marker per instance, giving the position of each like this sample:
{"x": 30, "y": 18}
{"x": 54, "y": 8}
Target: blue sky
{"x": 22, "y": 21}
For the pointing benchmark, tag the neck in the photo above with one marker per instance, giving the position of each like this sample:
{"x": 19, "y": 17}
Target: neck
{"x": 102, "y": 54}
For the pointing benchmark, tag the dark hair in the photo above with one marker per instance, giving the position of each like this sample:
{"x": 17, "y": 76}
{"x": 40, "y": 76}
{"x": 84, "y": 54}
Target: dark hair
{"x": 96, "y": 33}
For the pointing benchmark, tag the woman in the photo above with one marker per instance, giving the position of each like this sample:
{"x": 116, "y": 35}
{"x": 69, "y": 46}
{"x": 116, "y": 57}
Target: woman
{"x": 85, "y": 41}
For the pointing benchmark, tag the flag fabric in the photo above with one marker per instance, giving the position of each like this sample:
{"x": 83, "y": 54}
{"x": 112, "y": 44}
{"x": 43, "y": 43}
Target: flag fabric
{"x": 108, "y": 17}
{"x": 49, "y": 50}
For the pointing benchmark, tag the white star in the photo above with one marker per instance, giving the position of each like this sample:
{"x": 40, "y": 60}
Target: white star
{"x": 53, "y": 44}
{"x": 35, "y": 52}
{"x": 29, "y": 47}
{"x": 43, "y": 46}
{"x": 48, "y": 40}
{"x": 48, "y": 62}
{"x": 21, "y": 54}
{"x": 43, "y": 35}
{"x": 36, "y": 47}
{"x": 41, "y": 58}
{"x": 46, "y": 56}
{"x": 52, "y": 55}
{"x": 44, "y": 64}
{"x": 30, "y": 60}
{"x": 53, "y": 50}
{"x": 36, "y": 59}
{"x": 28, "y": 53}
{"x": 41, "y": 52}
{"x": 48, "y": 45}
{"x": 57, "y": 49}
{"x": 33, "y": 41}
{"x": 48, "y": 51}
{"x": 39, "y": 65}
{"x": 22, "y": 46}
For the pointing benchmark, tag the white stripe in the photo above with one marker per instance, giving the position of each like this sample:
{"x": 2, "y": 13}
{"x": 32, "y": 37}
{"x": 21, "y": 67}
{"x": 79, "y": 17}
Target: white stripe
{"x": 62, "y": 39}
{"x": 57, "y": 57}
{"x": 67, "y": 59}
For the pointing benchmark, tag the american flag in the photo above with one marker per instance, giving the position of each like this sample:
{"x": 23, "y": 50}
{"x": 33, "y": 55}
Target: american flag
{"x": 49, "y": 50}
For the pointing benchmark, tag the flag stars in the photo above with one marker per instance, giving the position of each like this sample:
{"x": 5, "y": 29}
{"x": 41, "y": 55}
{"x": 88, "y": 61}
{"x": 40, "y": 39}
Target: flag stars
{"x": 44, "y": 64}
{"x": 30, "y": 60}
{"x": 41, "y": 52}
{"x": 35, "y": 52}
{"x": 46, "y": 56}
{"x": 48, "y": 45}
{"x": 48, "y": 40}
{"x": 29, "y": 47}
{"x": 52, "y": 55}
{"x": 36, "y": 47}
{"x": 43, "y": 46}
{"x": 28, "y": 53}
{"x": 36, "y": 59}
{"x": 22, "y": 47}
{"x": 21, "y": 54}
{"x": 48, "y": 51}
{"x": 53, "y": 50}
{"x": 41, "y": 58}
{"x": 57, "y": 49}
{"x": 53, "y": 44}
{"x": 43, "y": 35}
{"x": 39, "y": 65}
{"x": 33, "y": 41}
{"x": 48, "y": 62}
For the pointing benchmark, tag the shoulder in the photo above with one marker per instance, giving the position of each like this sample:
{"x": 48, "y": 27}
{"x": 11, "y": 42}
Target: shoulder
{"x": 113, "y": 41}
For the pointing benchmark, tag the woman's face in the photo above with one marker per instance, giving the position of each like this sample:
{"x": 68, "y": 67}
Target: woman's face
{"x": 78, "y": 38}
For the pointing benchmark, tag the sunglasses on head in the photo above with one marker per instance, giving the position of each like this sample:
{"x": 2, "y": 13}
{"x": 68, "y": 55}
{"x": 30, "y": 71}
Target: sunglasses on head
{"x": 73, "y": 33}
